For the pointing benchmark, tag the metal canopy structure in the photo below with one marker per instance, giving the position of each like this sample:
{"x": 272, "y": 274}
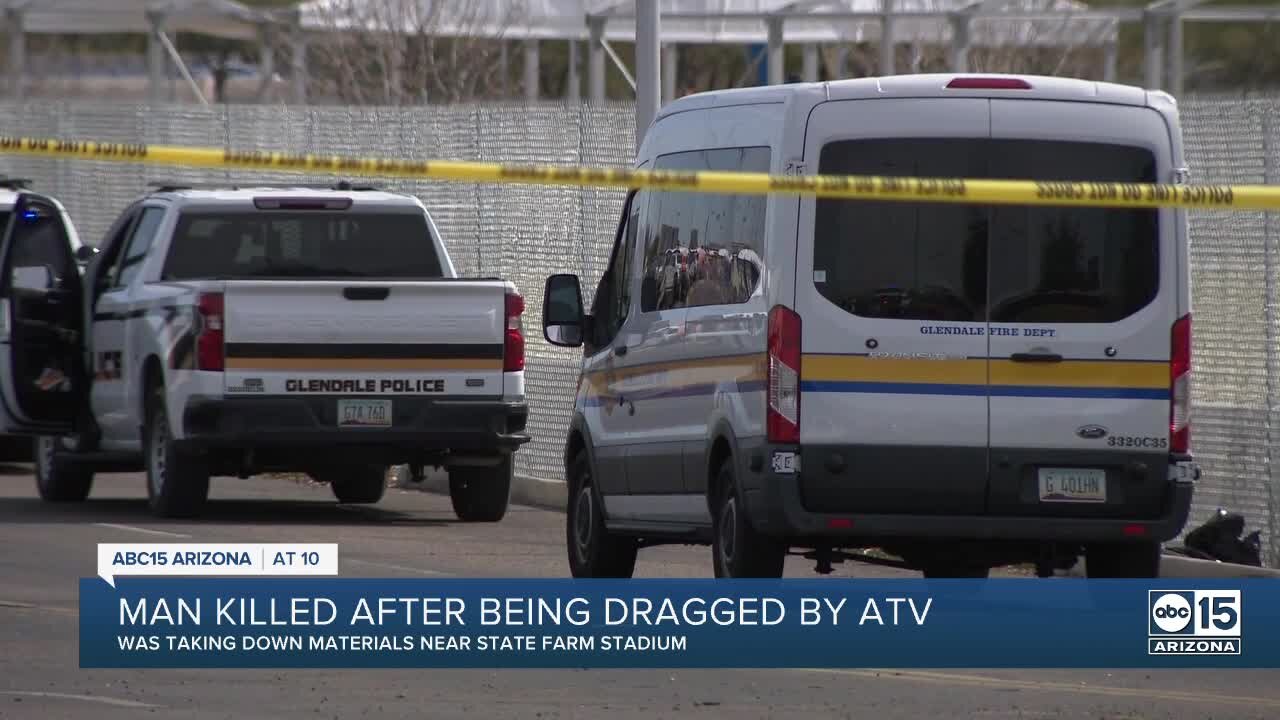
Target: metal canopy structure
{"x": 957, "y": 24}
{"x": 683, "y": 21}
{"x": 156, "y": 19}
{"x": 218, "y": 18}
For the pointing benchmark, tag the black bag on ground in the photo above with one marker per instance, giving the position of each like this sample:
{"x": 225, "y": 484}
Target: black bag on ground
{"x": 1219, "y": 539}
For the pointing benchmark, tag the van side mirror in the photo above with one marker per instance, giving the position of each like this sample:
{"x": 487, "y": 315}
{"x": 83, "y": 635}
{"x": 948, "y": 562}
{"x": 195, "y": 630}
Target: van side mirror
{"x": 562, "y": 316}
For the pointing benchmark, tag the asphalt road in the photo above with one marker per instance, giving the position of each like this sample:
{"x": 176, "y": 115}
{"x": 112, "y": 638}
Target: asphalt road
{"x": 45, "y": 549}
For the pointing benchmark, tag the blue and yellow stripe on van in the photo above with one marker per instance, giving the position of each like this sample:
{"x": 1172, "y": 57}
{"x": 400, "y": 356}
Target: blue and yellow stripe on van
{"x": 997, "y": 377}
{"x": 679, "y": 378}
{"x": 827, "y": 373}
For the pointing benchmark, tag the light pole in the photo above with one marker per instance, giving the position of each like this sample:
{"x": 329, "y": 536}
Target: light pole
{"x": 648, "y": 74}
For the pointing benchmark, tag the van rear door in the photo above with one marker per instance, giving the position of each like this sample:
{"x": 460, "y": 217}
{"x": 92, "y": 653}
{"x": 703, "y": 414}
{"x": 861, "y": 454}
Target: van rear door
{"x": 894, "y": 373}
{"x": 1081, "y": 305}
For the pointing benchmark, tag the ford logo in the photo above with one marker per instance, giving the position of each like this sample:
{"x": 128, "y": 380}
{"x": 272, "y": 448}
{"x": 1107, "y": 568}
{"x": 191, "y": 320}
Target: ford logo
{"x": 1091, "y": 432}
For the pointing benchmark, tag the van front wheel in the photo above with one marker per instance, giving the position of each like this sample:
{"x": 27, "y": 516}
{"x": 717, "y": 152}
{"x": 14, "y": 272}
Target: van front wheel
{"x": 594, "y": 552}
{"x": 738, "y": 550}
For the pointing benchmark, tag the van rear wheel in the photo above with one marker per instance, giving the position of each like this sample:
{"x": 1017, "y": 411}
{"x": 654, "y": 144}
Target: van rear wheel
{"x": 737, "y": 549}
{"x": 1122, "y": 560}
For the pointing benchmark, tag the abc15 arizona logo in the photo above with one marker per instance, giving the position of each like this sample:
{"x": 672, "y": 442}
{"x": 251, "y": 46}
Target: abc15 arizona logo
{"x": 1193, "y": 622}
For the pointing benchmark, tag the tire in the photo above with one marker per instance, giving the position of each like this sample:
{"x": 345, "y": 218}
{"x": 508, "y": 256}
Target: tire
{"x": 737, "y": 549}
{"x": 481, "y": 494}
{"x": 1123, "y": 560}
{"x": 359, "y": 485}
{"x": 177, "y": 480}
{"x": 593, "y": 551}
{"x": 56, "y": 479}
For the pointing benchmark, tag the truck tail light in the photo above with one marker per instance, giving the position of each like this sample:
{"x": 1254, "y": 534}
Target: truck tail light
{"x": 211, "y": 340}
{"x": 1180, "y": 387}
{"x": 513, "y": 344}
{"x": 782, "y": 418}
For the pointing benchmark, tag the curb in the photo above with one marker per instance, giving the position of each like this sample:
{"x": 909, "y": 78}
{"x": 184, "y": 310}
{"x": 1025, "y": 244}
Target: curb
{"x": 1180, "y": 566}
{"x": 550, "y": 495}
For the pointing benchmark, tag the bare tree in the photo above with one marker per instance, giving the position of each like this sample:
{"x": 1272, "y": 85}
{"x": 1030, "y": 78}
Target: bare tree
{"x": 1059, "y": 45}
{"x": 407, "y": 51}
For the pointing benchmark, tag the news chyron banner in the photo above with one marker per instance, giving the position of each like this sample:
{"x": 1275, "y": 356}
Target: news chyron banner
{"x": 283, "y": 606}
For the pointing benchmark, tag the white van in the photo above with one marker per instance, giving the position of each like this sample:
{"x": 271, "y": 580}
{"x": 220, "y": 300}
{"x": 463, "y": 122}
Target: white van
{"x": 961, "y": 386}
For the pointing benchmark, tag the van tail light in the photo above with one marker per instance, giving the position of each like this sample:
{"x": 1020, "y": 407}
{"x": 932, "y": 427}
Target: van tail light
{"x": 513, "y": 343}
{"x": 783, "y": 383}
{"x": 1180, "y": 387}
{"x": 211, "y": 340}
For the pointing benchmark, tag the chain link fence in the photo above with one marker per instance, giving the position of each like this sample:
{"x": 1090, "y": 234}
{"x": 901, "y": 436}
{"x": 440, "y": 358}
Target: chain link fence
{"x": 1235, "y": 258}
{"x": 524, "y": 233}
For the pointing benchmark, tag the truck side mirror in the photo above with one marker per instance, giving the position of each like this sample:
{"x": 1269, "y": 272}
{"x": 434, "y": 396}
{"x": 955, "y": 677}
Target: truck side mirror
{"x": 562, "y": 316}
{"x": 85, "y": 253}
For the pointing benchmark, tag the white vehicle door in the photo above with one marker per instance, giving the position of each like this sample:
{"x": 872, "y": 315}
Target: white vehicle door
{"x": 657, "y": 380}
{"x": 115, "y": 316}
{"x": 602, "y": 401}
{"x": 726, "y": 320}
{"x": 893, "y": 406}
{"x": 42, "y": 375}
{"x": 1082, "y": 305}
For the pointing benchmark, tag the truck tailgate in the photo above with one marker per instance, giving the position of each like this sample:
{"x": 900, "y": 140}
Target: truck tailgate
{"x": 364, "y": 337}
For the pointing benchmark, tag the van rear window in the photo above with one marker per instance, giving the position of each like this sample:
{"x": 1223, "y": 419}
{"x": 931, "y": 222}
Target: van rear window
{"x": 241, "y": 244}
{"x": 967, "y": 263}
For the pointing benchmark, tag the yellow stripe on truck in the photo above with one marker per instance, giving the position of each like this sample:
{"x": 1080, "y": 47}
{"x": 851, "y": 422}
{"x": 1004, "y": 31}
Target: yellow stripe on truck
{"x": 362, "y": 364}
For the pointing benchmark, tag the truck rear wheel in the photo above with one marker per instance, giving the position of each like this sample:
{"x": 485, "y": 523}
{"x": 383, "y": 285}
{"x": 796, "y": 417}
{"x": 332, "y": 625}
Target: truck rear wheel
{"x": 1122, "y": 560}
{"x": 481, "y": 494}
{"x": 361, "y": 484}
{"x": 57, "y": 480}
{"x": 177, "y": 480}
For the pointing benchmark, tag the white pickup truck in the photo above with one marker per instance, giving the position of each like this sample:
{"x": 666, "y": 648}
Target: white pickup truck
{"x": 237, "y": 331}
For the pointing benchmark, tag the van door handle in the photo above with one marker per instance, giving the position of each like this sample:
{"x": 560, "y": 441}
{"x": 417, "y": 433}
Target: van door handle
{"x": 620, "y": 350}
{"x": 1042, "y": 357}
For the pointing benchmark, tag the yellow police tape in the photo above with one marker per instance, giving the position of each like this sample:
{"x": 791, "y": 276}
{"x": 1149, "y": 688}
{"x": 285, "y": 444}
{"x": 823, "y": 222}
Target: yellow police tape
{"x": 949, "y": 190}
